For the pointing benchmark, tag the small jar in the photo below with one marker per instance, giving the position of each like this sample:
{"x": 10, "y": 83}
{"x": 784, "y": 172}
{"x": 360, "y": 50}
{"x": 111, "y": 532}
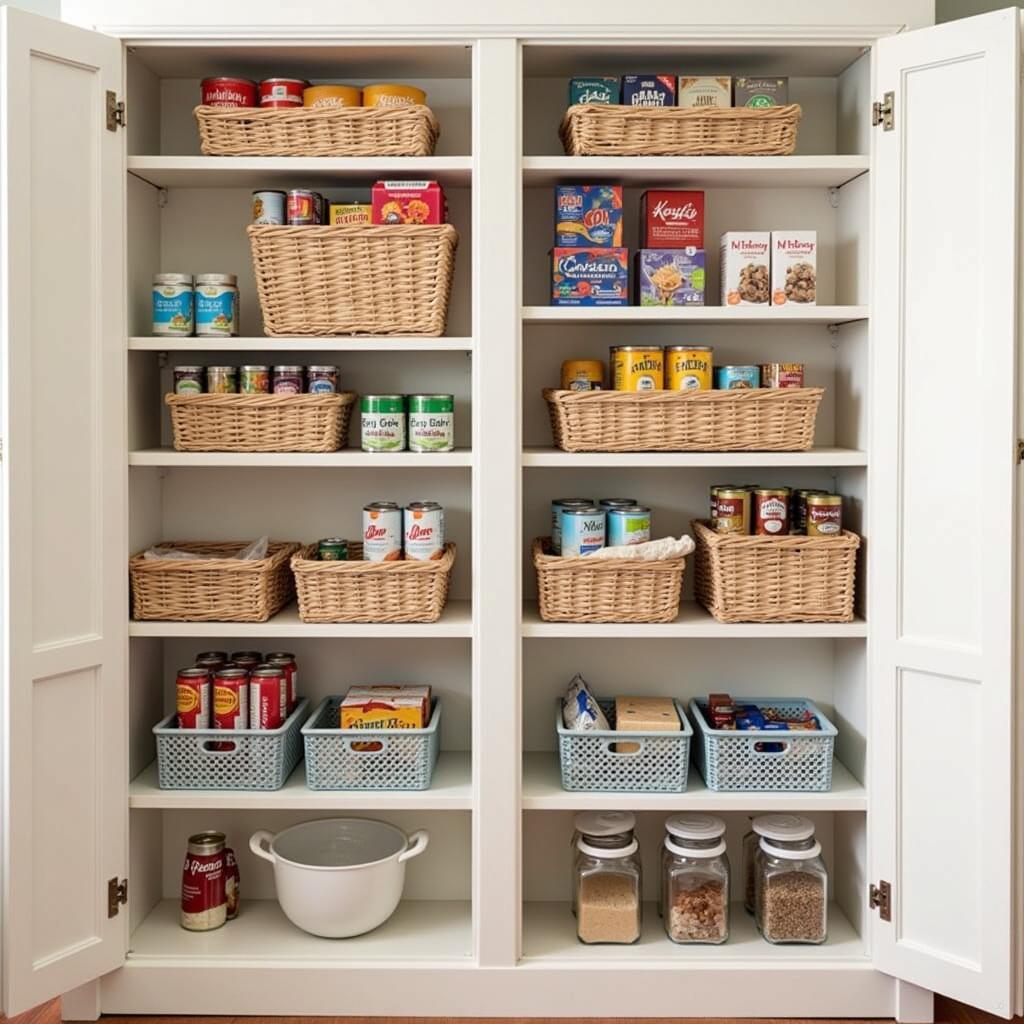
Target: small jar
{"x": 781, "y": 829}
{"x": 222, "y": 380}
{"x": 600, "y": 824}
{"x": 173, "y": 306}
{"x": 792, "y": 894}
{"x": 696, "y": 880}
{"x": 216, "y": 305}
{"x": 322, "y": 380}
{"x": 254, "y": 380}
{"x": 288, "y": 380}
{"x": 607, "y": 889}
{"x": 188, "y": 380}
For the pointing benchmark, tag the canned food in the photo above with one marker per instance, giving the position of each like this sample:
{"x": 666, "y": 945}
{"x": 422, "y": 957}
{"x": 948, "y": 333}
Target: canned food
{"x": 222, "y": 380}
{"x": 798, "y": 509}
{"x": 782, "y": 375}
{"x": 824, "y": 515}
{"x": 582, "y": 531}
{"x": 285, "y": 660}
{"x": 254, "y": 380}
{"x": 349, "y": 214}
{"x": 320, "y": 207}
{"x": 771, "y": 511}
{"x": 211, "y": 660}
{"x": 391, "y": 95}
{"x": 733, "y": 378}
{"x": 247, "y": 659}
{"x": 715, "y": 488}
{"x": 301, "y": 207}
{"x": 332, "y": 549}
{"x": 423, "y": 531}
{"x": 282, "y": 92}
{"x": 688, "y": 368}
{"x": 231, "y": 699}
{"x": 288, "y": 380}
{"x": 173, "y": 306}
{"x": 607, "y": 503}
{"x": 332, "y": 96}
{"x": 431, "y": 423}
{"x": 630, "y": 525}
{"x": 637, "y": 368}
{"x": 232, "y": 883}
{"x": 269, "y": 206}
{"x": 192, "y": 696}
{"x": 582, "y": 375}
{"x": 382, "y": 423}
{"x": 188, "y": 380}
{"x": 204, "y": 903}
{"x": 228, "y": 92}
{"x": 216, "y": 305}
{"x": 382, "y": 532}
{"x": 556, "y": 518}
{"x": 732, "y": 511}
{"x": 265, "y": 689}
{"x": 322, "y": 380}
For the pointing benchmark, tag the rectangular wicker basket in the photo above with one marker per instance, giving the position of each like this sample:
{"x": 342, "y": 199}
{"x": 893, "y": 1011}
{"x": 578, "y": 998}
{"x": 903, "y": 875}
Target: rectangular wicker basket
{"x": 743, "y": 578}
{"x": 760, "y": 419}
{"x": 606, "y": 589}
{"x": 592, "y": 129}
{"x": 317, "y": 131}
{"x": 215, "y": 588}
{"x": 260, "y": 423}
{"x": 367, "y": 279}
{"x": 358, "y": 591}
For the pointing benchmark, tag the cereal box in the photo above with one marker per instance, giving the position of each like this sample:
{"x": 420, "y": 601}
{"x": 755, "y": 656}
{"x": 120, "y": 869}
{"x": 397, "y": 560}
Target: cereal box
{"x": 761, "y": 92}
{"x": 649, "y": 90}
{"x": 348, "y": 214}
{"x": 745, "y": 261}
{"x": 669, "y": 277}
{"x": 705, "y": 92}
{"x": 588, "y": 215}
{"x": 671, "y": 219}
{"x": 794, "y": 267}
{"x": 408, "y": 202}
{"x": 593, "y": 90}
{"x": 590, "y": 277}
{"x": 385, "y": 707}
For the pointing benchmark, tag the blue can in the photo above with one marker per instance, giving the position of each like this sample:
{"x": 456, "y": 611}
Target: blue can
{"x": 556, "y": 518}
{"x": 730, "y": 378}
{"x": 582, "y": 530}
{"x": 629, "y": 526}
{"x": 173, "y": 309}
{"x": 217, "y": 305}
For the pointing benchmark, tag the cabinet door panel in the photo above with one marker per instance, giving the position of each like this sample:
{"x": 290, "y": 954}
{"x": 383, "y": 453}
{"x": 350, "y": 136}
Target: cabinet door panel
{"x": 943, "y": 484}
{"x": 63, "y": 509}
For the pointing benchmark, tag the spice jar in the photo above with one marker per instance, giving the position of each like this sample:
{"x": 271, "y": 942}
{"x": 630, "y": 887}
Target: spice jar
{"x": 606, "y": 879}
{"x": 792, "y": 893}
{"x": 696, "y": 880}
{"x": 782, "y": 830}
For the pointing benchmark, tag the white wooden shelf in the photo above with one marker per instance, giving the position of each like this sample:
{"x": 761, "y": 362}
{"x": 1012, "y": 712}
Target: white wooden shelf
{"x": 425, "y": 931}
{"x": 456, "y": 621}
{"x": 349, "y": 457}
{"x": 699, "y": 315}
{"x": 451, "y": 790}
{"x": 292, "y": 172}
{"x": 555, "y": 458}
{"x": 697, "y": 172}
{"x": 299, "y": 343}
{"x": 542, "y": 791}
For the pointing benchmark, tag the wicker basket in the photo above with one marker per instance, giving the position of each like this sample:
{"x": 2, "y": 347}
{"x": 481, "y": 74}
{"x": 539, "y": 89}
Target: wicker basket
{"x": 217, "y": 588}
{"x": 260, "y": 423}
{"x": 759, "y": 420}
{"x": 318, "y": 131}
{"x": 606, "y": 589}
{"x": 592, "y": 129}
{"x": 741, "y": 578}
{"x": 358, "y": 591}
{"x": 376, "y": 279}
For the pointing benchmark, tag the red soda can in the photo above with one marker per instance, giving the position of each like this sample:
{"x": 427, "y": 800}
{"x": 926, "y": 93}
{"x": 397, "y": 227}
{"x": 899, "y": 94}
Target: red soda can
{"x": 265, "y": 684}
{"x": 203, "y": 894}
{"x": 211, "y": 660}
{"x": 247, "y": 659}
{"x": 291, "y": 677}
{"x": 231, "y": 699}
{"x": 192, "y": 691}
{"x": 232, "y": 882}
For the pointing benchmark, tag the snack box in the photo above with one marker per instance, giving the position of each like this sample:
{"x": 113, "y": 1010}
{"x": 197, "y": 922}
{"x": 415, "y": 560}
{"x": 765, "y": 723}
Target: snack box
{"x": 745, "y": 260}
{"x": 761, "y": 92}
{"x": 671, "y": 219}
{"x": 590, "y": 277}
{"x": 648, "y": 90}
{"x": 385, "y": 707}
{"x": 794, "y": 267}
{"x": 349, "y": 214}
{"x": 588, "y": 215}
{"x": 593, "y": 90}
{"x": 705, "y": 92}
{"x": 644, "y": 714}
{"x": 669, "y": 277}
{"x": 408, "y": 202}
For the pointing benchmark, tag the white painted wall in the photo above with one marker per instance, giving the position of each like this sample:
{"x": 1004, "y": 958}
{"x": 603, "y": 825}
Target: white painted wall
{"x": 51, "y": 8}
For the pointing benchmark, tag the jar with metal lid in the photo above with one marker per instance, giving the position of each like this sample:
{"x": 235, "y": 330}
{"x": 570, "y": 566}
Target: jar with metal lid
{"x": 783, "y": 830}
{"x": 288, "y": 380}
{"x": 791, "y": 892}
{"x": 599, "y": 824}
{"x": 696, "y": 880}
{"x": 322, "y": 380}
{"x": 222, "y": 380}
{"x": 606, "y": 882}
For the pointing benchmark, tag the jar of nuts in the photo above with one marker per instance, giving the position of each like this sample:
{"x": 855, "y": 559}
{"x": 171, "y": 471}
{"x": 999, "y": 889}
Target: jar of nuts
{"x": 783, "y": 830}
{"x": 696, "y": 880}
{"x": 792, "y": 892}
{"x": 606, "y": 883}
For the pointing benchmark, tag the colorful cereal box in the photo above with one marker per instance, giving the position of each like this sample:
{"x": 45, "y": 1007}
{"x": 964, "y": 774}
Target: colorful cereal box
{"x": 649, "y": 90}
{"x": 761, "y": 92}
{"x": 408, "y": 202}
{"x": 588, "y": 215}
{"x": 671, "y": 219}
{"x": 593, "y": 90}
{"x": 745, "y": 279}
{"x": 794, "y": 267}
{"x": 590, "y": 277}
{"x": 670, "y": 277}
{"x": 705, "y": 92}
{"x": 385, "y": 707}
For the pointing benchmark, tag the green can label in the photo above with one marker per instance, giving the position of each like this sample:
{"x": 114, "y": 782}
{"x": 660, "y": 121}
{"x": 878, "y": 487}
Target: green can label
{"x": 431, "y": 423}
{"x": 383, "y": 423}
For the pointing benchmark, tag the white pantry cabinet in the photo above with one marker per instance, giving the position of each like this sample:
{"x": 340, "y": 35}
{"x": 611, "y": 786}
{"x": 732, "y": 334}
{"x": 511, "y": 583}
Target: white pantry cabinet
{"x": 915, "y": 340}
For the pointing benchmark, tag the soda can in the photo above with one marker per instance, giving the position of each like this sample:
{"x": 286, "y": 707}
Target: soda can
{"x": 221, "y": 656}
{"x": 301, "y": 206}
{"x": 332, "y": 549}
{"x": 246, "y": 659}
{"x": 423, "y": 531}
{"x": 286, "y": 660}
{"x": 269, "y": 207}
{"x": 556, "y": 518}
{"x": 382, "y": 532}
{"x": 231, "y": 699}
{"x": 192, "y": 694}
{"x": 628, "y": 525}
{"x": 265, "y": 686}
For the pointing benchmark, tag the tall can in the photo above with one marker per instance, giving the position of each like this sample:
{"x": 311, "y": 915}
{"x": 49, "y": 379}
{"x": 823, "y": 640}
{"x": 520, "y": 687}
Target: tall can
{"x": 431, "y": 423}
{"x": 232, "y": 883}
{"x": 173, "y": 306}
{"x": 212, "y": 660}
{"x": 382, "y": 423}
{"x": 231, "y": 699}
{"x": 382, "y": 532}
{"x": 824, "y": 515}
{"x": 265, "y": 686}
{"x": 770, "y": 511}
{"x": 732, "y": 511}
{"x": 583, "y": 531}
{"x": 204, "y": 904}
{"x": 286, "y": 660}
{"x": 798, "y": 508}
{"x": 301, "y": 207}
{"x": 216, "y": 305}
{"x": 556, "y": 518}
{"x": 629, "y": 525}
{"x": 247, "y": 659}
{"x": 713, "y": 496}
{"x": 192, "y": 697}
{"x": 269, "y": 206}
{"x": 423, "y": 531}
{"x": 637, "y": 368}
{"x": 688, "y": 367}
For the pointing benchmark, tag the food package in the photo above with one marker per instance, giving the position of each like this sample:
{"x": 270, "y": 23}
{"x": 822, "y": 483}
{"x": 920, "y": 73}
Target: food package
{"x": 672, "y": 219}
{"x": 349, "y": 214}
{"x": 669, "y": 277}
{"x": 588, "y": 215}
{"x": 385, "y": 707}
{"x": 593, "y": 90}
{"x": 794, "y": 267}
{"x": 648, "y": 90}
{"x": 705, "y": 92}
{"x": 646, "y": 714}
{"x": 590, "y": 277}
{"x": 745, "y": 276}
{"x": 408, "y": 202}
{"x": 761, "y": 92}
{"x": 580, "y": 710}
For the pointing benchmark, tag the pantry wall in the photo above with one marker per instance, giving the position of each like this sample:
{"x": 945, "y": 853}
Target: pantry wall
{"x": 484, "y": 927}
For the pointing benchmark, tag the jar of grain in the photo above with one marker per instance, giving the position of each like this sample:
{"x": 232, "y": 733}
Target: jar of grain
{"x": 599, "y": 825}
{"x": 782, "y": 830}
{"x": 792, "y": 893}
{"x": 607, "y": 887}
{"x": 696, "y": 880}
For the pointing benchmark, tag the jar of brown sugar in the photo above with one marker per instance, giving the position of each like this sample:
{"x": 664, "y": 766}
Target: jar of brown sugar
{"x": 606, "y": 884}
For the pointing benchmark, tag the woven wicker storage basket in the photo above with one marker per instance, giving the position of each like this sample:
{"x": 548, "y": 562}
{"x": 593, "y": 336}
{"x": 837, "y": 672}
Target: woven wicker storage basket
{"x": 742, "y": 578}
{"x": 260, "y": 423}
{"x": 606, "y": 589}
{"x": 358, "y": 591}
{"x": 318, "y": 131}
{"x": 376, "y": 279}
{"x": 591, "y": 129}
{"x": 217, "y": 588}
{"x": 761, "y": 420}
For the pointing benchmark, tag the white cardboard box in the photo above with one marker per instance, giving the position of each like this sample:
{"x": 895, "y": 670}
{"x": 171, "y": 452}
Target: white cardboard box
{"x": 794, "y": 268}
{"x": 746, "y": 278}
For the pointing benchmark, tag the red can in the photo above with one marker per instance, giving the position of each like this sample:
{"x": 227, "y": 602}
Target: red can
{"x": 211, "y": 660}
{"x": 232, "y": 882}
{"x": 282, "y": 92}
{"x": 203, "y": 892}
{"x": 286, "y": 660}
{"x": 193, "y": 698}
{"x": 247, "y": 659}
{"x": 231, "y": 699}
{"x": 265, "y": 686}
{"x": 228, "y": 92}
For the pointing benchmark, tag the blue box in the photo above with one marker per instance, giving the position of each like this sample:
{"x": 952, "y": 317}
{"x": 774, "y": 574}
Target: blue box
{"x": 590, "y": 277}
{"x": 588, "y": 216}
{"x": 648, "y": 90}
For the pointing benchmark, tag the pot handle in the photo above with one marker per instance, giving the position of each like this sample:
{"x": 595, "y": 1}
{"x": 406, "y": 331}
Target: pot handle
{"x": 417, "y": 844}
{"x": 256, "y": 841}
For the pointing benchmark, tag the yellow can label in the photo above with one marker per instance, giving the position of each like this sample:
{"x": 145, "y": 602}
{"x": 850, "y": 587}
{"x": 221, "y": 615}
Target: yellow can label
{"x": 688, "y": 369}
{"x": 638, "y": 369}
{"x": 582, "y": 375}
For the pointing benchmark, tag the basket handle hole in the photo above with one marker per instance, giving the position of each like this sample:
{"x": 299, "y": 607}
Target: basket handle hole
{"x": 366, "y": 746}
{"x": 219, "y": 746}
{"x": 622, "y": 748}
{"x": 771, "y": 747}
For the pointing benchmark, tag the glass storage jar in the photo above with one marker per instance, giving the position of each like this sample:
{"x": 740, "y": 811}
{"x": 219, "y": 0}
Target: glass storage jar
{"x": 792, "y": 893}
{"x": 781, "y": 829}
{"x": 696, "y": 880}
{"x": 599, "y": 825}
{"x": 607, "y": 888}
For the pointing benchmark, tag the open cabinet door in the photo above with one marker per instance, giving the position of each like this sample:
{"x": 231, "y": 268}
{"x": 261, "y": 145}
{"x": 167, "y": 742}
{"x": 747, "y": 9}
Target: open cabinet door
{"x": 63, "y": 504}
{"x": 942, "y": 553}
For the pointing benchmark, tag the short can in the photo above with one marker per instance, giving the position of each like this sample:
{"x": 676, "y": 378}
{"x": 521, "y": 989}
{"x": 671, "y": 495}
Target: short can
{"x": 637, "y": 368}
{"x": 732, "y": 511}
{"x": 216, "y": 305}
{"x": 431, "y": 423}
{"x": 556, "y": 518}
{"x": 188, "y": 380}
{"x": 288, "y": 380}
{"x": 204, "y": 904}
{"x": 389, "y": 94}
{"x": 322, "y": 380}
{"x": 332, "y": 549}
{"x": 282, "y": 92}
{"x": 301, "y": 207}
{"x": 269, "y": 206}
{"x": 228, "y": 92}
{"x": 231, "y": 699}
{"x": 332, "y": 96}
{"x": 254, "y": 380}
{"x": 285, "y": 660}
{"x": 173, "y": 306}
{"x": 630, "y": 525}
{"x": 688, "y": 368}
{"x": 382, "y": 532}
{"x": 265, "y": 687}
{"x": 582, "y": 531}
{"x": 423, "y": 531}
{"x": 734, "y": 378}
{"x": 798, "y": 509}
{"x": 192, "y": 696}
{"x": 222, "y": 380}
{"x": 782, "y": 375}
{"x": 824, "y": 515}
{"x": 382, "y": 421}
{"x": 770, "y": 511}
{"x": 582, "y": 375}
{"x": 607, "y": 503}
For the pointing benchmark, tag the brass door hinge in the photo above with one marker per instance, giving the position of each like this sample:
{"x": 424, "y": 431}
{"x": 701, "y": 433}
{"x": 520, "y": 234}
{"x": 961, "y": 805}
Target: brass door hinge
{"x": 117, "y": 894}
{"x": 880, "y": 899}
{"x": 884, "y": 113}
{"x": 115, "y": 112}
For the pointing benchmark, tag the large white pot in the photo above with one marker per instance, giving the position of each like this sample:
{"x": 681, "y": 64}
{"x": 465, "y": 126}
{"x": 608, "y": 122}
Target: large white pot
{"x": 340, "y": 876}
